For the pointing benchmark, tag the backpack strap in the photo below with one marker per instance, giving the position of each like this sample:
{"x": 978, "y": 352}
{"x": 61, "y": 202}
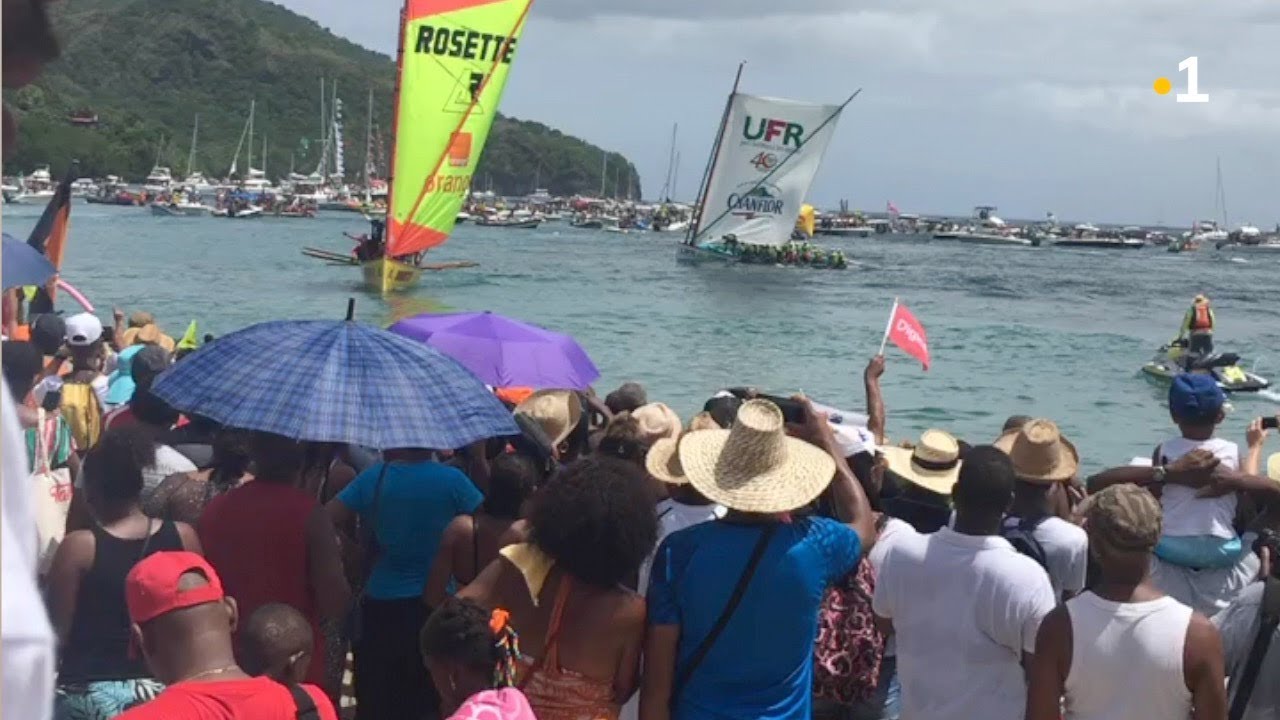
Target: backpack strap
{"x": 735, "y": 599}
{"x": 305, "y": 707}
{"x": 1269, "y": 620}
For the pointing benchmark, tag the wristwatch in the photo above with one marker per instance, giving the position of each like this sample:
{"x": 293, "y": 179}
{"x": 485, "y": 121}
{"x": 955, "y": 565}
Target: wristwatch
{"x": 1159, "y": 475}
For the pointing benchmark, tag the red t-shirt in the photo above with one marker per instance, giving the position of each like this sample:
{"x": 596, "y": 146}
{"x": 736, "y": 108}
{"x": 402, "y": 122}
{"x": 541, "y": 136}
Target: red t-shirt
{"x": 255, "y": 536}
{"x": 253, "y": 699}
{"x": 119, "y": 417}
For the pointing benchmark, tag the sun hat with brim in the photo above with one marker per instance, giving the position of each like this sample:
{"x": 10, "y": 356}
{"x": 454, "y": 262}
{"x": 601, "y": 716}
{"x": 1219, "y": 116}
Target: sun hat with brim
{"x": 663, "y": 462}
{"x": 1273, "y": 467}
{"x": 933, "y": 464}
{"x": 1040, "y": 453}
{"x": 120, "y": 384}
{"x": 558, "y": 412}
{"x": 753, "y": 466}
{"x": 657, "y": 421}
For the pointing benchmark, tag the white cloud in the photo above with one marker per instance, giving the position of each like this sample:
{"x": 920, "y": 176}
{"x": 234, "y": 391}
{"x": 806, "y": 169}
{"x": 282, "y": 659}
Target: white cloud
{"x": 1017, "y": 102}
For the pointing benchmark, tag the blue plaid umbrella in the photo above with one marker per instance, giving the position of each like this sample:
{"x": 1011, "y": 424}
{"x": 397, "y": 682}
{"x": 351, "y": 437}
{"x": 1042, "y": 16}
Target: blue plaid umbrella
{"x": 326, "y": 381}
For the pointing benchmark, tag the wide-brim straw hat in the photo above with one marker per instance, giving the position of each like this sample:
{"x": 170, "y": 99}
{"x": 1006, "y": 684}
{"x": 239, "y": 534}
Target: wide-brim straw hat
{"x": 557, "y": 412}
{"x": 933, "y": 464}
{"x": 1273, "y": 467}
{"x": 1040, "y": 453}
{"x": 656, "y": 421}
{"x": 754, "y": 467}
{"x": 663, "y": 459}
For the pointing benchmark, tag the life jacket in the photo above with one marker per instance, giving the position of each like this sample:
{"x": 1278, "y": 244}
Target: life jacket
{"x": 83, "y": 412}
{"x": 1203, "y": 317}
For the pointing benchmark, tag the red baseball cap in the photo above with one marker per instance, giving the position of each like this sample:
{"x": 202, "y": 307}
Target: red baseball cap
{"x": 151, "y": 589}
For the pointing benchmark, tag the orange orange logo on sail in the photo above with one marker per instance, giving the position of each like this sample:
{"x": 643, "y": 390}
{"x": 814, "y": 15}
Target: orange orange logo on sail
{"x": 460, "y": 149}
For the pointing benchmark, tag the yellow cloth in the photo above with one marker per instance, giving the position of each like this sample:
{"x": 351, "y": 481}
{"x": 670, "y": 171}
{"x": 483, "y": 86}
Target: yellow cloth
{"x": 534, "y": 564}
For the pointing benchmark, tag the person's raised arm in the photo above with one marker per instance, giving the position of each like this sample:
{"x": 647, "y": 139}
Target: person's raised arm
{"x": 1194, "y": 469}
{"x": 1203, "y": 670}
{"x": 1255, "y": 437}
{"x": 118, "y": 316}
{"x": 875, "y": 399}
{"x": 847, "y": 497}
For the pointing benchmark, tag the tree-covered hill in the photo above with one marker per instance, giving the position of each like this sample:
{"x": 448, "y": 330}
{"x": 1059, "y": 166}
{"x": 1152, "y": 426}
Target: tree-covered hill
{"x": 147, "y": 68}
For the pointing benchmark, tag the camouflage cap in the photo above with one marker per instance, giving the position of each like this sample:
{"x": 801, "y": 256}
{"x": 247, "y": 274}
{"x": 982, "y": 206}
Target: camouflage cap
{"x": 1124, "y": 517}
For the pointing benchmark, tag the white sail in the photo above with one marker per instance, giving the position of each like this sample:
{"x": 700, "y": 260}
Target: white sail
{"x": 769, "y": 155}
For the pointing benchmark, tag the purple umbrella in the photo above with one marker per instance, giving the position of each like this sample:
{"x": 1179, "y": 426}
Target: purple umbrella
{"x": 504, "y": 352}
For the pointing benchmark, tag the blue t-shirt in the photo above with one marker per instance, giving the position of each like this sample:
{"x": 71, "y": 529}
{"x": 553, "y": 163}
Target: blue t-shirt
{"x": 418, "y": 501}
{"x": 762, "y": 664}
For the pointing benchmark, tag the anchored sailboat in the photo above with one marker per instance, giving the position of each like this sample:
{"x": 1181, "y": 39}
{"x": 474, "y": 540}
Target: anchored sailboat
{"x": 762, "y": 165}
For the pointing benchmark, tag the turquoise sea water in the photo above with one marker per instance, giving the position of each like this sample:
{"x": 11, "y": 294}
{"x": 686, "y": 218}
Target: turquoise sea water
{"x": 1039, "y": 331}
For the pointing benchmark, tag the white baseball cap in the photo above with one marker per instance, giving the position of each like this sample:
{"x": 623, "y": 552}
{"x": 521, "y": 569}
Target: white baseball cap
{"x": 83, "y": 330}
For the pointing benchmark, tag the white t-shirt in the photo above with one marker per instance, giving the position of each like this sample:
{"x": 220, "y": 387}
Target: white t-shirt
{"x": 1066, "y": 552}
{"x": 54, "y": 383}
{"x": 26, "y": 638}
{"x": 168, "y": 462}
{"x": 893, "y": 532}
{"x": 964, "y": 608}
{"x": 674, "y": 516}
{"x": 1184, "y": 513}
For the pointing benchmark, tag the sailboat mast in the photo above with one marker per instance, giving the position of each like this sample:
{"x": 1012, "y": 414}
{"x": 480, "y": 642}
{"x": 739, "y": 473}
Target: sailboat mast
{"x": 368, "y": 148}
{"x": 711, "y": 161}
{"x": 249, "y": 159}
{"x": 671, "y": 158}
{"x": 675, "y": 177}
{"x": 604, "y": 169}
{"x": 395, "y": 125}
{"x": 191, "y": 156}
{"x": 240, "y": 144}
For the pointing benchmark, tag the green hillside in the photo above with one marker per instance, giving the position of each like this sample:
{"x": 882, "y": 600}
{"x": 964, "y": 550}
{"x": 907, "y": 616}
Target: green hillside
{"x": 146, "y": 68}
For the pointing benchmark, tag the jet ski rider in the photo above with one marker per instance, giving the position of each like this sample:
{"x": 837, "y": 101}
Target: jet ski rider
{"x": 1197, "y": 327}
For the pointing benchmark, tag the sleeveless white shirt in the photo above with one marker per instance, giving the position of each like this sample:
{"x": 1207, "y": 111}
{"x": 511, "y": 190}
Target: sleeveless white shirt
{"x": 1126, "y": 660}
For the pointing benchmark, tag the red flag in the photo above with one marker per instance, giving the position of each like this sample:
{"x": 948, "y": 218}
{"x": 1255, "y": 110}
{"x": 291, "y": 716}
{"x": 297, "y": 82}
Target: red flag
{"x": 907, "y": 333}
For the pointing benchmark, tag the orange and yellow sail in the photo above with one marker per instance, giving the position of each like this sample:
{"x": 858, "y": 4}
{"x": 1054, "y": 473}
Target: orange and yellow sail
{"x": 455, "y": 56}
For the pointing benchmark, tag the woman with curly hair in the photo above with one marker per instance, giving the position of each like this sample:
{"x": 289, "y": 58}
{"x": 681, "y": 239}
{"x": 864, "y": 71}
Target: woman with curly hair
{"x": 581, "y": 630}
{"x": 471, "y": 654}
{"x": 99, "y": 677}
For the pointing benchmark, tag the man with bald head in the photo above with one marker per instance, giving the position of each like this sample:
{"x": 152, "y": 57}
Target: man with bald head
{"x": 182, "y": 622}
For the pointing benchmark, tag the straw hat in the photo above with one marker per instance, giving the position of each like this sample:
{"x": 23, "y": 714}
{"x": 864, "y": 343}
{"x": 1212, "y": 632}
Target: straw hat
{"x": 663, "y": 458}
{"x": 1273, "y": 467}
{"x": 1040, "y": 454}
{"x": 557, "y": 412}
{"x": 656, "y": 421}
{"x": 754, "y": 466}
{"x": 934, "y": 463}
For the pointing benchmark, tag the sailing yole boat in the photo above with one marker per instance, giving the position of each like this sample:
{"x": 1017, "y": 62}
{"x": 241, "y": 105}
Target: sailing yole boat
{"x": 453, "y": 62}
{"x": 766, "y": 155}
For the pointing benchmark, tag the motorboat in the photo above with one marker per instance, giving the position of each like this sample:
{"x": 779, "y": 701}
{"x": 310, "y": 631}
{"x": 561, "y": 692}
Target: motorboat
{"x": 1172, "y": 360}
{"x": 84, "y": 187}
{"x": 1268, "y": 246}
{"x": 180, "y": 208}
{"x": 244, "y": 213}
{"x": 38, "y": 186}
{"x": 511, "y": 223}
{"x": 1101, "y": 243}
{"x": 159, "y": 180}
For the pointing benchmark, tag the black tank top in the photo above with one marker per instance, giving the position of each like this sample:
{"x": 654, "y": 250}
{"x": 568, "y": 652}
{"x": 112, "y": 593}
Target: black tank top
{"x": 98, "y": 645}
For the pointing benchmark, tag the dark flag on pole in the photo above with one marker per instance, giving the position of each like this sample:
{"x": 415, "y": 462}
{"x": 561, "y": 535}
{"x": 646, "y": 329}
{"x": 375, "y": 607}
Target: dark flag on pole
{"x": 49, "y": 236}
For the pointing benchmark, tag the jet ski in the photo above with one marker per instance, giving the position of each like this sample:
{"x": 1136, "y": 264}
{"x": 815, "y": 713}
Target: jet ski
{"x": 1173, "y": 359}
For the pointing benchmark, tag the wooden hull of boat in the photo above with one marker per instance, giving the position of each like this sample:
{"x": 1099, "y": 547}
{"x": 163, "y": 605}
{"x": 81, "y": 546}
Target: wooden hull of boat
{"x": 389, "y": 275}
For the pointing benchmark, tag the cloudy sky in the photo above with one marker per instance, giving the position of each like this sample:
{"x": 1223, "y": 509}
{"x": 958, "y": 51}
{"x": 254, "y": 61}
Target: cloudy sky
{"x": 1030, "y": 106}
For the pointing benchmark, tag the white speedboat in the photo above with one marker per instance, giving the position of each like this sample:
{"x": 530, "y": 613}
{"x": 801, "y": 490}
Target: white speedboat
{"x": 84, "y": 187}
{"x": 244, "y": 213}
{"x": 1270, "y": 246}
{"x": 160, "y": 180}
{"x": 180, "y": 209}
{"x": 38, "y": 186}
{"x": 985, "y": 238}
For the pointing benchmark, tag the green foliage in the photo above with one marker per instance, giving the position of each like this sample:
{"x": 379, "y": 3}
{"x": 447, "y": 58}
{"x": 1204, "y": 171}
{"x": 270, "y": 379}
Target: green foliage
{"x": 146, "y": 68}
